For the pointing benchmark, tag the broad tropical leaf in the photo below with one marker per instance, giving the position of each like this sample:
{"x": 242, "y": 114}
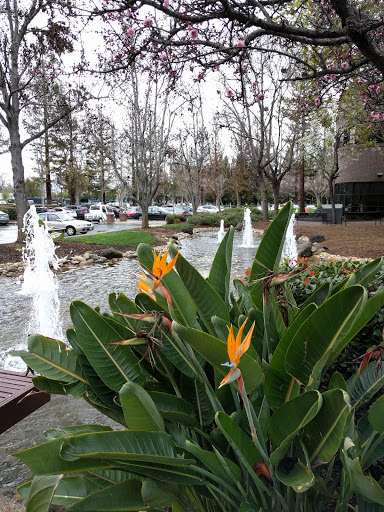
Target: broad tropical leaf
{"x": 173, "y": 408}
{"x": 41, "y": 493}
{"x": 114, "y": 364}
{"x": 323, "y": 435}
{"x": 362, "y": 388}
{"x": 220, "y": 274}
{"x": 376, "y": 415}
{"x": 140, "y": 412}
{"x": 299, "y": 477}
{"x": 289, "y": 419}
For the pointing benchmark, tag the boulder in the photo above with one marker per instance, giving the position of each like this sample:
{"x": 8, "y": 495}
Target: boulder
{"x": 304, "y": 250}
{"x": 111, "y": 253}
{"x": 188, "y": 230}
{"x": 93, "y": 257}
{"x": 316, "y": 238}
{"x": 239, "y": 226}
{"x": 78, "y": 258}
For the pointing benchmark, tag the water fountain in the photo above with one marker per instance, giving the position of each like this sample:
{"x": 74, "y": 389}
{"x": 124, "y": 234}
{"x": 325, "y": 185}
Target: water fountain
{"x": 39, "y": 286}
{"x": 290, "y": 246}
{"x": 221, "y": 233}
{"x": 247, "y": 229}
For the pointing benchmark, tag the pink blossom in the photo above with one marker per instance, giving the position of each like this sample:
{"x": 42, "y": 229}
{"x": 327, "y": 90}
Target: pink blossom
{"x": 229, "y": 93}
{"x": 317, "y": 101}
{"x": 164, "y": 58}
{"x": 344, "y": 64}
{"x": 130, "y": 32}
{"x": 193, "y": 33}
{"x": 240, "y": 43}
{"x": 260, "y": 96}
{"x": 166, "y": 3}
{"x": 333, "y": 77}
{"x": 148, "y": 22}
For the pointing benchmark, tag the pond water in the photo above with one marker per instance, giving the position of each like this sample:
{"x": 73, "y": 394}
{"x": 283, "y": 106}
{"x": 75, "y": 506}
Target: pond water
{"x": 92, "y": 285}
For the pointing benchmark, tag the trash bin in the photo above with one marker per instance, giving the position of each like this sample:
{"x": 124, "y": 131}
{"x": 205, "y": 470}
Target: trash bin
{"x": 327, "y": 209}
{"x": 123, "y": 217}
{"x": 110, "y": 218}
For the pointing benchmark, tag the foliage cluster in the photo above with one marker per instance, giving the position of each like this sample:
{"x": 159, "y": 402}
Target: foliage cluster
{"x": 276, "y": 437}
{"x": 11, "y": 212}
{"x": 175, "y": 219}
{"x": 231, "y": 217}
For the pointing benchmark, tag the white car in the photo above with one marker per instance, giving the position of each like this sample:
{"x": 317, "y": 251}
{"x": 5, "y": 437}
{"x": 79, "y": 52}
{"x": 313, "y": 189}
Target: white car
{"x": 66, "y": 211}
{"x": 98, "y": 212}
{"x": 66, "y": 223}
{"x": 208, "y": 208}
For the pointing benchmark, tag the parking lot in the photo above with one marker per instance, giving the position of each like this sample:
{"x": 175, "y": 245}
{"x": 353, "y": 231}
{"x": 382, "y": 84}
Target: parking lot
{"x": 8, "y": 233}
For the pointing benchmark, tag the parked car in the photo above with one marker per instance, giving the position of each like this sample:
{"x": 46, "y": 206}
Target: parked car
{"x": 98, "y": 212}
{"x": 80, "y": 211}
{"x": 64, "y": 209}
{"x": 65, "y": 223}
{"x": 131, "y": 210}
{"x": 4, "y": 218}
{"x": 208, "y": 208}
{"x": 154, "y": 213}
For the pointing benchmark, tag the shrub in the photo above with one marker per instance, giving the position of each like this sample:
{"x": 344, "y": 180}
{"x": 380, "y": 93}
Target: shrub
{"x": 231, "y": 217}
{"x": 11, "y": 212}
{"x": 175, "y": 219}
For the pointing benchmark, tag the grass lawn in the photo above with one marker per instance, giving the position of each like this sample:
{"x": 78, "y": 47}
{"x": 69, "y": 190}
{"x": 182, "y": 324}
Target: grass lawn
{"x": 127, "y": 237}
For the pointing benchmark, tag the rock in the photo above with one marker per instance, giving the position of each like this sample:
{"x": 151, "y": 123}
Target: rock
{"x": 239, "y": 226}
{"x": 78, "y": 258}
{"x": 99, "y": 260}
{"x": 86, "y": 255}
{"x": 188, "y": 230}
{"x": 111, "y": 253}
{"x": 86, "y": 262}
{"x": 316, "y": 238}
{"x": 305, "y": 250}
{"x": 302, "y": 239}
{"x": 93, "y": 257}
{"x": 130, "y": 255}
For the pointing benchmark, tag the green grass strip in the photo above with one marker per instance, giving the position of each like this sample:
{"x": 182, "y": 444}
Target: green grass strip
{"x": 127, "y": 237}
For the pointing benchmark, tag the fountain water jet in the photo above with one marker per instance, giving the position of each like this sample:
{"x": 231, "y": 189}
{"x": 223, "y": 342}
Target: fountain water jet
{"x": 221, "y": 233}
{"x": 247, "y": 229}
{"x": 290, "y": 246}
{"x": 39, "y": 280}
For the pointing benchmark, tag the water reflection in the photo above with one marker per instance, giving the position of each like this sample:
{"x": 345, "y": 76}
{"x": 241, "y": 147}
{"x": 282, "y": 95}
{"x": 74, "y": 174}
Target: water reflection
{"x": 93, "y": 284}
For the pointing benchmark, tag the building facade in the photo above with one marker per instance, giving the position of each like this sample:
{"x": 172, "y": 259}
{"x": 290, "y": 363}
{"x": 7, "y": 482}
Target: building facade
{"x": 360, "y": 185}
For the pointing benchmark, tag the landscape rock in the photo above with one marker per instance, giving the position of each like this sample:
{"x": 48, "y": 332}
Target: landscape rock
{"x": 316, "y": 238}
{"x": 93, "y": 257}
{"x": 188, "y": 230}
{"x": 239, "y": 226}
{"x": 111, "y": 253}
{"x": 305, "y": 250}
{"x": 78, "y": 258}
{"x": 86, "y": 262}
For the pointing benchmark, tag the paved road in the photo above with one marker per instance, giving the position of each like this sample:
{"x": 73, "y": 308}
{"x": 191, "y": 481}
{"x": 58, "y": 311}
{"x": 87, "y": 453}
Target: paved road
{"x": 8, "y": 233}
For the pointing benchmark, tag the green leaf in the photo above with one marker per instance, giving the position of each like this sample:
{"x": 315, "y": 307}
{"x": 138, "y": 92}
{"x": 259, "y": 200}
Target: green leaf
{"x": 279, "y": 386}
{"x": 268, "y": 254}
{"x": 363, "y": 387}
{"x": 157, "y": 495}
{"x": 318, "y": 296}
{"x": 215, "y": 352}
{"x": 323, "y": 435}
{"x": 367, "y": 272}
{"x": 55, "y": 433}
{"x": 207, "y": 301}
{"x": 212, "y": 462}
{"x": 114, "y": 364}
{"x": 376, "y": 415}
{"x": 124, "y": 445}
{"x": 140, "y": 412}
{"x": 289, "y": 419}
{"x": 45, "y": 459}
{"x": 337, "y": 382}
{"x": 52, "y": 359}
{"x": 365, "y": 486}
{"x": 120, "y": 305}
{"x": 41, "y": 493}
{"x": 173, "y": 408}
{"x": 122, "y": 497}
{"x": 244, "y": 507}
{"x": 220, "y": 274}
{"x": 300, "y": 478}
{"x": 104, "y": 393}
{"x": 310, "y": 348}
{"x": 239, "y": 441}
{"x": 371, "y": 307}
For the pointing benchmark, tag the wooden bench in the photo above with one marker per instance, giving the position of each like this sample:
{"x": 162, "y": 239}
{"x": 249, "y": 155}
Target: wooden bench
{"x": 18, "y": 398}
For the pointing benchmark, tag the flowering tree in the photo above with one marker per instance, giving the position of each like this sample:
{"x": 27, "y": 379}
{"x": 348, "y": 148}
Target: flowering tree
{"x": 27, "y": 32}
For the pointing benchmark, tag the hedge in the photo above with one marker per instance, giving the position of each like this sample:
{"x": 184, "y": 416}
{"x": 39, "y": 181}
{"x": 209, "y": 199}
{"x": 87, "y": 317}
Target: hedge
{"x": 11, "y": 212}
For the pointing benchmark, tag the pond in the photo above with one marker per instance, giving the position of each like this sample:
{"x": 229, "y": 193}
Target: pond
{"x": 93, "y": 285}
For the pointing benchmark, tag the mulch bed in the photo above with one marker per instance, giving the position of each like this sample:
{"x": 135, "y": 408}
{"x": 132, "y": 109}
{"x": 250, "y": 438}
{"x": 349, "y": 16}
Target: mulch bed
{"x": 359, "y": 240}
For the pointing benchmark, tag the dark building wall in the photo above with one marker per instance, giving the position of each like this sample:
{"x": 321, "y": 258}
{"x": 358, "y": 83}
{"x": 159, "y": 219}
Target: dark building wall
{"x": 360, "y": 187}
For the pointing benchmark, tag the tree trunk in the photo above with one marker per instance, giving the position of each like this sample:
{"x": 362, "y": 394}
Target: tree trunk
{"x": 144, "y": 216}
{"x": 264, "y": 196}
{"x": 276, "y": 197}
{"x": 18, "y": 173}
